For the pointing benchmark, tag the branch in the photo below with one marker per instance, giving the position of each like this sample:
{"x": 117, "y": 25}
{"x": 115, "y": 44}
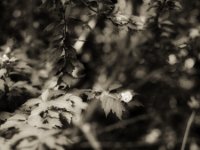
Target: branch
{"x": 187, "y": 130}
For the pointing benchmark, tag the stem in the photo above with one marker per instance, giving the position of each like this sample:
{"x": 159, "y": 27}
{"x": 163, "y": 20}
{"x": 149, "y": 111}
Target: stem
{"x": 86, "y": 129}
{"x": 124, "y": 123}
{"x": 187, "y": 130}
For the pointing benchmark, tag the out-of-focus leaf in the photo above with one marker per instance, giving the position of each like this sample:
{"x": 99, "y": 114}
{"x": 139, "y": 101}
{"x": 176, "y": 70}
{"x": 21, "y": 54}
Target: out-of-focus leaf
{"x": 14, "y": 121}
{"x": 45, "y": 111}
{"x": 2, "y": 72}
{"x": 30, "y": 104}
{"x": 25, "y": 85}
{"x": 120, "y": 19}
{"x": 114, "y": 87}
{"x": 2, "y": 85}
{"x": 50, "y": 27}
{"x": 3, "y": 144}
{"x": 35, "y": 138}
{"x": 193, "y": 103}
{"x": 137, "y": 22}
{"x": 5, "y": 115}
{"x": 69, "y": 80}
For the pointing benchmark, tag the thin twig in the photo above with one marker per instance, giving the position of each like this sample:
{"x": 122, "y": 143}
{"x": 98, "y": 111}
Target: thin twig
{"x": 187, "y": 130}
{"x": 123, "y": 123}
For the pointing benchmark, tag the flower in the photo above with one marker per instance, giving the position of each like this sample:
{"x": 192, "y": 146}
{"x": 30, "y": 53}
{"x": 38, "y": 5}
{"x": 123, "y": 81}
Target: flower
{"x": 126, "y": 96}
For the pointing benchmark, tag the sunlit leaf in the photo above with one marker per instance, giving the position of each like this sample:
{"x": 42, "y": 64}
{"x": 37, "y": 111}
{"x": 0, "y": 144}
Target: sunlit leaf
{"x": 111, "y": 103}
{"x": 33, "y": 138}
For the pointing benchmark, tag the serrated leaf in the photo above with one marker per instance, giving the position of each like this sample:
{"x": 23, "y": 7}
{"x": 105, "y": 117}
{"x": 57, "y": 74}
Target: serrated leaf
{"x": 79, "y": 104}
{"x": 2, "y": 85}
{"x": 111, "y": 103}
{"x": 35, "y": 138}
{"x": 5, "y": 115}
{"x": 31, "y": 104}
{"x": 14, "y": 121}
{"x": 47, "y": 113}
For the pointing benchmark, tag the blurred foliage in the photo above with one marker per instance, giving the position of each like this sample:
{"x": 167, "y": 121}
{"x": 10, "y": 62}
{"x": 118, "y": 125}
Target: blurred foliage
{"x": 65, "y": 59}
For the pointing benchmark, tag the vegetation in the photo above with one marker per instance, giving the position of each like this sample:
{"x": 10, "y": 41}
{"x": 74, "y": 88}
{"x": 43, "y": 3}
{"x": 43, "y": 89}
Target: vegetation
{"x": 99, "y": 74}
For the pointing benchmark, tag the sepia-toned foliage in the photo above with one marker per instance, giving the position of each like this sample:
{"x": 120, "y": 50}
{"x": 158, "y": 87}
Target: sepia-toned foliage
{"x": 99, "y": 74}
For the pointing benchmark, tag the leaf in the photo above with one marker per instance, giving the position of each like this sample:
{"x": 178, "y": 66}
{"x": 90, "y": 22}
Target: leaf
{"x": 50, "y": 27}
{"x": 114, "y": 87}
{"x": 2, "y": 72}
{"x": 3, "y": 144}
{"x": 137, "y": 23}
{"x": 4, "y": 58}
{"x": 19, "y": 117}
{"x": 111, "y": 103}
{"x": 31, "y": 104}
{"x": 5, "y": 115}
{"x": 14, "y": 121}
{"x": 120, "y": 19}
{"x": 79, "y": 105}
{"x": 35, "y": 138}
{"x": 69, "y": 80}
{"x": 47, "y": 113}
{"x": 40, "y": 118}
{"x": 27, "y": 86}
{"x": 2, "y": 85}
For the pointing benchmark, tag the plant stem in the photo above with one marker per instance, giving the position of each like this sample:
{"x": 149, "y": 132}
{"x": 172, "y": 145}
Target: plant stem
{"x": 187, "y": 130}
{"x": 124, "y": 123}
